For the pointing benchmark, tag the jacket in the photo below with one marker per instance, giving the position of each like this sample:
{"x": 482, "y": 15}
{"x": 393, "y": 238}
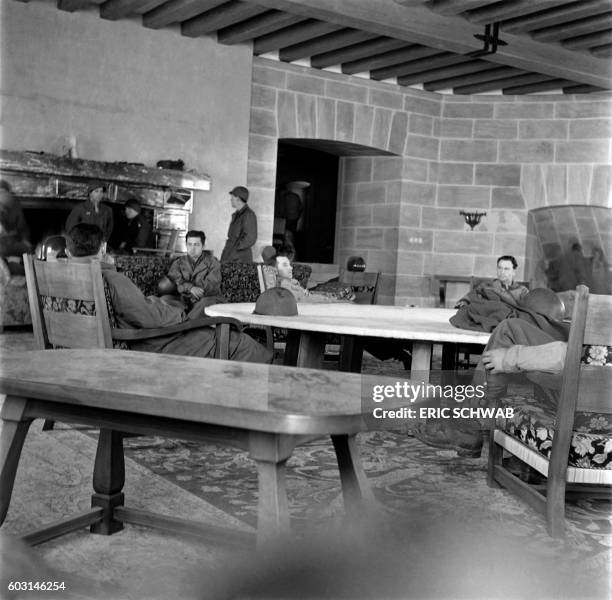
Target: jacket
{"x": 85, "y": 213}
{"x": 241, "y": 235}
{"x": 204, "y": 273}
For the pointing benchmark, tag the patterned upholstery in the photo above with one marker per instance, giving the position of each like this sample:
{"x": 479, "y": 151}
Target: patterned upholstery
{"x": 534, "y": 422}
{"x": 239, "y": 282}
{"x": 144, "y": 271}
{"x": 14, "y": 307}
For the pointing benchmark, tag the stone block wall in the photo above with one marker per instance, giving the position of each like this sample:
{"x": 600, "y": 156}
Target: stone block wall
{"x": 433, "y": 155}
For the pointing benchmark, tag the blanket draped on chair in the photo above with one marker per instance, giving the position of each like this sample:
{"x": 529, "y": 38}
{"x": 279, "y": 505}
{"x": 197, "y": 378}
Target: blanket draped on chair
{"x": 488, "y": 309}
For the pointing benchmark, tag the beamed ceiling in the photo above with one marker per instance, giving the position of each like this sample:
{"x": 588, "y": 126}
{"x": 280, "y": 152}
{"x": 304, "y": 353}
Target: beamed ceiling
{"x": 556, "y": 45}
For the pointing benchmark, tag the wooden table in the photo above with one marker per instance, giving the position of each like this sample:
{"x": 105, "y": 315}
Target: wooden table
{"x": 423, "y": 326}
{"x": 264, "y": 409}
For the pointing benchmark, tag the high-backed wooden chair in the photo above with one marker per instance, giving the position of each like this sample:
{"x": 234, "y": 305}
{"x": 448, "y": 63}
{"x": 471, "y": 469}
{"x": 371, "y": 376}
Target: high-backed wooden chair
{"x": 577, "y": 458}
{"x": 70, "y": 310}
{"x": 364, "y": 284}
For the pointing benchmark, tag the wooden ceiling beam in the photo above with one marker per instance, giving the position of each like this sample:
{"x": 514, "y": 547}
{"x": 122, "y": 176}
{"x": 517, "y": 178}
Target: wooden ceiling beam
{"x": 573, "y": 28}
{"x": 386, "y": 59}
{"x": 498, "y": 11}
{"x": 379, "y": 45}
{"x": 554, "y": 16}
{"x": 118, "y": 9}
{"x": 74, "y": 5}
{"x": 420, "y": 25}
{"x": 591, "y": 40}
{"x": 443, "y": 59}
{"x": 485, "y": 73}
{"x": 456, "y": 71}
{"x": 222, "y": 16}
{"x": 455, "y": 7}
{"x": 535, "y": 88}
{"x": 257, "y": 26}
{"x": 177, "y": 11}
{"x": 293, "y": 35}
{"x": 582, "y": 89}
{"x": 325, "y": 43}
{"x": 604, "y": 51}
{"x": 498, "y": 84}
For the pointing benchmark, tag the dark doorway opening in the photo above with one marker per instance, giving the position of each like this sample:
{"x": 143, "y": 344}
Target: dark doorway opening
{"x": 312, "y": 176}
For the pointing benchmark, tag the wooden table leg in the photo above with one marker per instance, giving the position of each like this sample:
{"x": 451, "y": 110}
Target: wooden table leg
{"x": 14, "y": 430}
{"x": 351, "y": 353}
{"x": 305, "y": 349}
{"x": 421, "y": 360}
{"x": 108, "y": 480}
{"x": 270, "y": 453}
{"x": 356, "y": 490}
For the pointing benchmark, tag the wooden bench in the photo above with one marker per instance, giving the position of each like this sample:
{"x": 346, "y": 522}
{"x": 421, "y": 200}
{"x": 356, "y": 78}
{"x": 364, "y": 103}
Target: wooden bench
{"x": 264, "y": 409}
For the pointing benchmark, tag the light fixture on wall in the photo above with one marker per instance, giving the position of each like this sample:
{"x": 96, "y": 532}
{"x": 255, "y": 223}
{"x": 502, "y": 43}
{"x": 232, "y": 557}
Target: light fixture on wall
{"x": 472, "y": 218}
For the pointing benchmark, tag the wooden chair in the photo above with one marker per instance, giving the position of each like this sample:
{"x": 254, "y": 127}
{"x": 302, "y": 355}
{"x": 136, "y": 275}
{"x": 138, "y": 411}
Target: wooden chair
{"x": 579, "y": 391}
{"x": 70, "y": 310}
{"x": 365, "y": 288}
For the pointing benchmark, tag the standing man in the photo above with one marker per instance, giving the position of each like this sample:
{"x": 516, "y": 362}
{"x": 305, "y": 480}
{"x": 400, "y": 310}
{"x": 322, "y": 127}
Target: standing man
{"x": 92, "y": 211}
{"x": 242, "y": 232}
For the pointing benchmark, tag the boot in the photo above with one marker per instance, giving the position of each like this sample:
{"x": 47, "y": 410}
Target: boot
{"x": 462, "y": 435}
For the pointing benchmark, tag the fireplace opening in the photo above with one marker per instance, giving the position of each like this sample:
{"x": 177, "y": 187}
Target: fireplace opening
{"x": 45, "y": 221}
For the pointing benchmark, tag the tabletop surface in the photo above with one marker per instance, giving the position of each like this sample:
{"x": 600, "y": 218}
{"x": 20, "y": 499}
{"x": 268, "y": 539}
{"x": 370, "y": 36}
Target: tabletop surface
{"x": 410, "y": 323}
{"x": 270, "y": 398}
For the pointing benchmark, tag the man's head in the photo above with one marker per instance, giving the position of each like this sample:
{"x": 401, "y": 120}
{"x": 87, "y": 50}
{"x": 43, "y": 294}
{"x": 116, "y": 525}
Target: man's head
{"x": 284, "y": 268}
{"x": 506, "y": 269}
{"x": 239, "y": 196}
{"x": 132, "y": 208}
{"x": 195, "y": 240}
{"x": 96, "y": 192}
{"x": 85, "y": 240}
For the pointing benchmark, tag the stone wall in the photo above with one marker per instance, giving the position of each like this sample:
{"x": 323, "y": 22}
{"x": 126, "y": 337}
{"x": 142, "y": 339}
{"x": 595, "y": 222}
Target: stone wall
{"x": 495, "y": 154}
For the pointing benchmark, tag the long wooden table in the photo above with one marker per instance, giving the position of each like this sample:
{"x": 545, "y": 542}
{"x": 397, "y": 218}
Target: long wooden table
{"x": 264, "y": 409}
{"x": 423, "y": 326}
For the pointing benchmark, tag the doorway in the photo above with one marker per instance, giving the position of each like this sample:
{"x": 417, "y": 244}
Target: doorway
{"x": 305, "y": 201}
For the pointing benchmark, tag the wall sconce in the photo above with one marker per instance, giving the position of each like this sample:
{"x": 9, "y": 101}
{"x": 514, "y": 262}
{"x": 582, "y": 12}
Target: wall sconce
{"x": 472, "y": 218}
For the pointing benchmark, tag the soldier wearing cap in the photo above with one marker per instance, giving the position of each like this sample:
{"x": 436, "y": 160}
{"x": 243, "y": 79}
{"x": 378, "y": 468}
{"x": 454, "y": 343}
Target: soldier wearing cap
{"x": 135, "y": 230}
{"x": 242, "y": 232}
{"x": 92, "y": 211}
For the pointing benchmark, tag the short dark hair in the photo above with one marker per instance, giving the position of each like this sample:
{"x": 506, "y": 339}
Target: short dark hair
{"x": 510, "y": 258}
{"x": 196, "y": 233}
{"x": 5, "y": 185}
{"x": 287, "y": 250}
{"x": 56, "y": 243}
{"x": 84, "y": 239}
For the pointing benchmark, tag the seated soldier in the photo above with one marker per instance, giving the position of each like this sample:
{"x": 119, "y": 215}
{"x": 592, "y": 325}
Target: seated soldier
{"x": 281, "y": 275}
{"x": 134, "y": 310}
{"x": 196, "y": 277}
{"x": 504, "y": 284}
{"x": 515, "y": 346}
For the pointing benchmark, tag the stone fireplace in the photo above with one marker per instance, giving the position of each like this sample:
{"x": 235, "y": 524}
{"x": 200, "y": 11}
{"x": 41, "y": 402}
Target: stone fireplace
{"x": 49, "y": 186}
